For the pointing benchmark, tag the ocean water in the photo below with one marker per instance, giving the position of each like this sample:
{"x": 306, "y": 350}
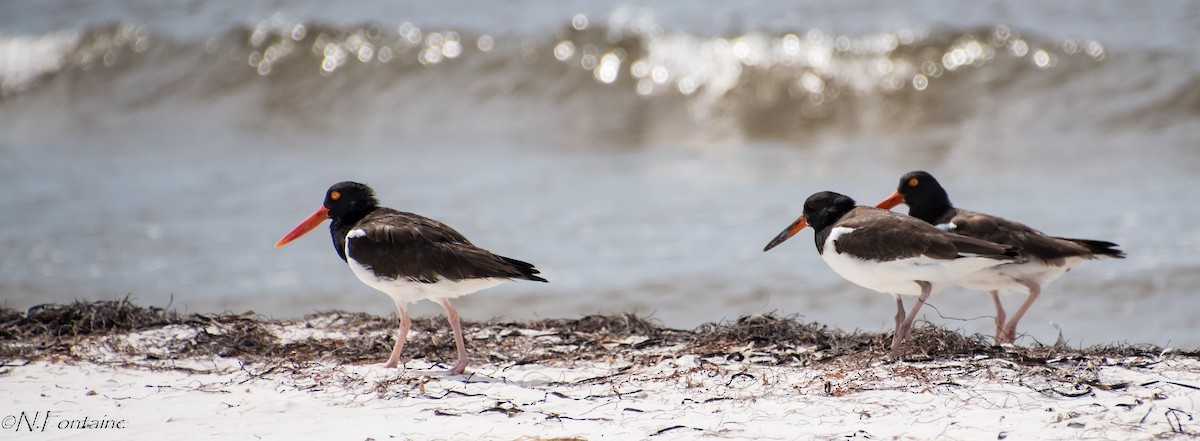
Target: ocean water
{"x": 641, "y": 154}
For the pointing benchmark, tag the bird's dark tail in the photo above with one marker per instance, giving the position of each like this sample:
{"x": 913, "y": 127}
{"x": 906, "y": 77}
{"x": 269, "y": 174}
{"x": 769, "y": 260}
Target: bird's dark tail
{"x": 1098, "y": 248}
{"x": 526, "y": 269}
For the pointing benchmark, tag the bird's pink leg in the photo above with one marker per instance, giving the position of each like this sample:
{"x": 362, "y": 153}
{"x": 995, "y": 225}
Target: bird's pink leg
{"x": 401, "y": 337}
{"x": 452, "y": 315}
{"x": 896, "y": 336}
{"x": 1010, "y": 330}
{"x": 1001, "y": 337}
{"x": 906, "y": 331}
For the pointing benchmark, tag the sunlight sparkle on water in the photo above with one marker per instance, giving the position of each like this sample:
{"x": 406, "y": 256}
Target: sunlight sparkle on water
{"x": 660, "y": 74}
{"x": 610, "y": 65}
{"x": 410, "y": 33}
{"x": 564, "y": 50}
{"x": 791, "y": 45}
{"x": 931, "y": 69}
{"x": 579, "y": 22}
{"x": 639, "y": 69}
{"x": 366, "y": 52}
{"x": 452, "y": 47}
{"x": 1094, "y": 49}
{"x": 920, "y": 82}
{"x": 431, "y": 55}
{"x": 1042, "y": 59}
{"x": 485, "y": 43}
{"x": 1019, "y": 48}
{"x": 298, "y": 32}
{"x": 645, "y": 87}
{"x": 688, "y": 86}
{"x": 812, "y": 83}
{"x": 590, "y": 57}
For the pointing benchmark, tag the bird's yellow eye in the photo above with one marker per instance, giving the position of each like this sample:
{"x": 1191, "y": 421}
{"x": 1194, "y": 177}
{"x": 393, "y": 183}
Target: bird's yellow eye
{"x": 335, "y": 195}
{"x": 912, "y": 182}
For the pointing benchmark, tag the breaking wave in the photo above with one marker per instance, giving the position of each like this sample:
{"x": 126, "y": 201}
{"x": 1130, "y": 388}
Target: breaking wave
{"x": 632, "y": 73}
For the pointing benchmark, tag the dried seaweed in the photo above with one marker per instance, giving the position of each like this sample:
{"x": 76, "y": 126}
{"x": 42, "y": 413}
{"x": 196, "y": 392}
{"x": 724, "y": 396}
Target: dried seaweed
{"x": 615, "y": 325}
{"x": 52, "y": 331}
{"x": 938, "y": 342}
{"x": 765, "y": 331}
{"x": 85, "y": 318}
{"x": 236, "y": 338}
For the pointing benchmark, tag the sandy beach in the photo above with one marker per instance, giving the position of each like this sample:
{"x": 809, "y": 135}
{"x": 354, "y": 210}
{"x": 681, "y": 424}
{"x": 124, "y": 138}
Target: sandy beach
{"x": 112, "y": 370}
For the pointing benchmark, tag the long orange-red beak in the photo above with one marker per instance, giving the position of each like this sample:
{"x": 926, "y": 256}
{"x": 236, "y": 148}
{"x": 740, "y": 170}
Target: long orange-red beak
{"x": 788, "y": 232}
{"x": 305, "y": 226}
{"x": 895, "y": 199}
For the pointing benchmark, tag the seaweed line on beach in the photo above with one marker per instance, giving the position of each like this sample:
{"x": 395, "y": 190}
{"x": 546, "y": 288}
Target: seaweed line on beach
{"x": 619, "y": 359}
{"x": 121, "y": 333}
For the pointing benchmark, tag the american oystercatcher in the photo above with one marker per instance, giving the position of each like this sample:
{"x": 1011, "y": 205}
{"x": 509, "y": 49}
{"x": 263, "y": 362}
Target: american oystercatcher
{"x": 408, "y": 257}
{"x": 891, "y": 253}
{"x": 1045, "y": 258}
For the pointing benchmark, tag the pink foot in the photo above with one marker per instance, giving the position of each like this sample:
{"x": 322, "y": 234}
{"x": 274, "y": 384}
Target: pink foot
{"x": 452, "y": 316}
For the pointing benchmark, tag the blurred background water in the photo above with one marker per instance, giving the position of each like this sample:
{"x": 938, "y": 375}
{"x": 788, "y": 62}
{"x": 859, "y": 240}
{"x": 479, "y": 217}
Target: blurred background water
{"x": 641, "y": 154}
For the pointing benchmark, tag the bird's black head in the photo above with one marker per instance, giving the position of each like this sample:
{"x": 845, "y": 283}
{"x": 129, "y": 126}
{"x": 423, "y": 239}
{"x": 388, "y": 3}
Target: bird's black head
{"x": 350, "y": 201}
{"x": 823, "y": 209}
{"x": 820, "y": 211}
{"x": 925, "y": 197}
{"x": 346, "y": 203}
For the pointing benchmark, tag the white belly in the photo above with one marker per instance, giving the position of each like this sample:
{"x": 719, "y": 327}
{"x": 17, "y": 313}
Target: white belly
{"x": 405, "y": 291}
{"x": 899, "y": 276}
{"x": 1005, "y": 277}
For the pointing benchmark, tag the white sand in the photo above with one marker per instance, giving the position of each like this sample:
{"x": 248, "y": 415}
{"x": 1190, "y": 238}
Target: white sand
{"x": 684, "y": 398}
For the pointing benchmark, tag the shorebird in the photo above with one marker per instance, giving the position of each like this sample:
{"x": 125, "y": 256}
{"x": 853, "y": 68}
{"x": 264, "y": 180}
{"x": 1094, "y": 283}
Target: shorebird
{"x": 1044, "y": 258}
{"x": 891, "y": 253}
{"x": 408, "y": 257}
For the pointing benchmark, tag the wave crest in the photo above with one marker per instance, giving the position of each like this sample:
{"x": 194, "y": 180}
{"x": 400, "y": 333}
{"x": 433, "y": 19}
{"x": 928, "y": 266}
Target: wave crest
{"x": 757, "y": 83}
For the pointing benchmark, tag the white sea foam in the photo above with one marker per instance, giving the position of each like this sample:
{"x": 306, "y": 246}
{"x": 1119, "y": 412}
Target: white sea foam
{"x": 25, "y": 58}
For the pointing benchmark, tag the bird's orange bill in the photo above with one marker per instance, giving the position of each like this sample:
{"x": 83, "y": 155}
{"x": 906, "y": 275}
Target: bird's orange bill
{"x": 788, "y": 232}
{"x": 305, "y": 226}
{"x": 895, "y": 199}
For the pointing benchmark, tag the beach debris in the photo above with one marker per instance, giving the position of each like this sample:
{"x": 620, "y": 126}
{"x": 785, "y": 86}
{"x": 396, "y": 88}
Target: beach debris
{"x": 124, "y": 334}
